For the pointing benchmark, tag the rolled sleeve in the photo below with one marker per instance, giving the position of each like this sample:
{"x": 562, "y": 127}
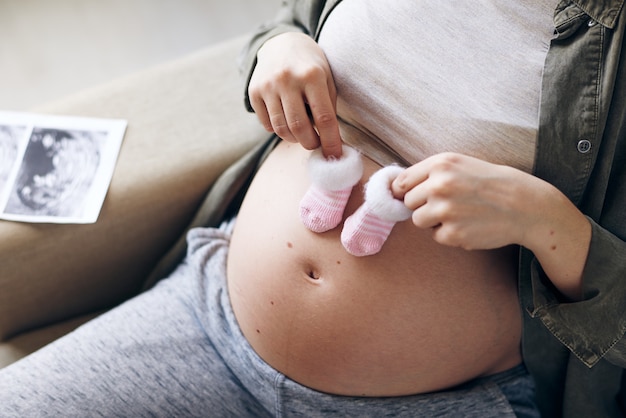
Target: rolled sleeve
{"x": 593, "y": 328}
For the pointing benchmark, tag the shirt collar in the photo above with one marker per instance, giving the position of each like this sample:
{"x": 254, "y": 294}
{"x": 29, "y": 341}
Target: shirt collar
{"x": 605, "y": 12}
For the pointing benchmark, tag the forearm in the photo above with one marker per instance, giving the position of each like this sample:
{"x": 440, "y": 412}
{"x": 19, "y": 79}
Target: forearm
{"x": 560, "y": 239}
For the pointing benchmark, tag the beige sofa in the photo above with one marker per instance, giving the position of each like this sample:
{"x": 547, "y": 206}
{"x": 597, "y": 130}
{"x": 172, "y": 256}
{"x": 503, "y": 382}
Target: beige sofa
{"x": 186, "y": 124}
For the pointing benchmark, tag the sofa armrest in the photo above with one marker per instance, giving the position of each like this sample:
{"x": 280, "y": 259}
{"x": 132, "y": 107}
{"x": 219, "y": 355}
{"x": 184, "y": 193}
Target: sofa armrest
{"x": 186, "y": 124}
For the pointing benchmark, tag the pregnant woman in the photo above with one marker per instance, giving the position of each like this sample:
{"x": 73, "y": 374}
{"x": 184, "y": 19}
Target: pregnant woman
{"x": 492, "y": 116}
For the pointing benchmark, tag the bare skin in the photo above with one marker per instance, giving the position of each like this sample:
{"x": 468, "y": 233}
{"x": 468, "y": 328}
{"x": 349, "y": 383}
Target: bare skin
{"x": 418, "y": 316}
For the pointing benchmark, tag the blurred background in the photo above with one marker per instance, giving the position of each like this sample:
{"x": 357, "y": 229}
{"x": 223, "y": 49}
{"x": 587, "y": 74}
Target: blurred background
{"x": 52, "y": 48}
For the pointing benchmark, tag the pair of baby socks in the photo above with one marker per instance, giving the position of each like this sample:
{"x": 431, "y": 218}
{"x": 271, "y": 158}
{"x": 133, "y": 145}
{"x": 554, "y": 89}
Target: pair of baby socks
{"x": 321, "y": 209}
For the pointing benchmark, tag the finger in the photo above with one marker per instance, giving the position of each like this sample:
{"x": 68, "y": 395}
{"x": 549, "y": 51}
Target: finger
{"x": 322, "y": 105}
{"x": 278, "y": 120}
{"x": 299, "y": 122}
{"x": 258, "y": 105}
{"x": 425, "y": 217}
{"x": 409, "y": 179}
{"x": 416, "y": 197}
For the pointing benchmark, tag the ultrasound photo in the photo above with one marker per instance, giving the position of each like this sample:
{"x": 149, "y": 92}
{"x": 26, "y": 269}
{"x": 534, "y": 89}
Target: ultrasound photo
{"x": 56, "y": 169}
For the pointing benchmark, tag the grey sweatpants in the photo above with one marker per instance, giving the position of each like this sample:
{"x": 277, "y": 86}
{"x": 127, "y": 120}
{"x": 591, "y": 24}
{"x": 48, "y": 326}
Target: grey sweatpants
{"x": 176, "y": 351}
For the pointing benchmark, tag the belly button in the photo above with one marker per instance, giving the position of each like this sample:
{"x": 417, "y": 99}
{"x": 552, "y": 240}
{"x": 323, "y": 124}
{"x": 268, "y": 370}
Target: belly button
{"x": 312, "y": 274}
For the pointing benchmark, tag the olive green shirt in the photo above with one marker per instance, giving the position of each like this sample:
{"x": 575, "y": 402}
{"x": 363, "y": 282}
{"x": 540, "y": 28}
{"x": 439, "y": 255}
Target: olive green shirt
{"x": 575, "y": 351}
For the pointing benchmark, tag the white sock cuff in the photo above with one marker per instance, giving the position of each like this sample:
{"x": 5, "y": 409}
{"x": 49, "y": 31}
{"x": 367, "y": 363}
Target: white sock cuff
{"x": 380, "y": 200}
{"x": 335, "y": 173}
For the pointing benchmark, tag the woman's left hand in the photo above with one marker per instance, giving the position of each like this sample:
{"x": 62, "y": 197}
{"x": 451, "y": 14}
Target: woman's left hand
{"x": 476, "y": 205}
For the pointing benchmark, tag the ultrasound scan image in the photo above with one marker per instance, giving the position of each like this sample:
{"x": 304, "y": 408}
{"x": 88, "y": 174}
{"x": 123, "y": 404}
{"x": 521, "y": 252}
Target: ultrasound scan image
{"x": 56, "y": 173}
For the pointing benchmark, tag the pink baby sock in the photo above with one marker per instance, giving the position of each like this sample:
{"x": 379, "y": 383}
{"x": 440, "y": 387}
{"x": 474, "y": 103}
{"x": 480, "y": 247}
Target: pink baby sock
{"x": 367, "y": 229}
{"x": 332, "y": 180}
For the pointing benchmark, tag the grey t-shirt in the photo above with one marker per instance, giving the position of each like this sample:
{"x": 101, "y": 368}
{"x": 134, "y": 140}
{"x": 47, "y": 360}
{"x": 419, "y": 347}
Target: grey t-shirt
{"x": 430, "y": 76}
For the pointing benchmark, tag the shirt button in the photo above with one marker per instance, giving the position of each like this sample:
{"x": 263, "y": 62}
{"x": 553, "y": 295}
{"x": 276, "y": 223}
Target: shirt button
{"x": 584, "y": 146}
{"x": 591, "y": 22}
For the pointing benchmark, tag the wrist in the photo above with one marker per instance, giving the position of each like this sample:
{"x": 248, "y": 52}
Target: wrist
{"x": 560, "y": 241}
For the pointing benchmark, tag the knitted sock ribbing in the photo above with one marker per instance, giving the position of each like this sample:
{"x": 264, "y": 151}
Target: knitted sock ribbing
{"x": 367, "y": 229}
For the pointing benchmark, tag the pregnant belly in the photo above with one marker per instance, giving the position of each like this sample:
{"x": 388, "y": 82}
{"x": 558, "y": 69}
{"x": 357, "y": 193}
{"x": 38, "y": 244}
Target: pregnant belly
{"x": 414, "y": 318}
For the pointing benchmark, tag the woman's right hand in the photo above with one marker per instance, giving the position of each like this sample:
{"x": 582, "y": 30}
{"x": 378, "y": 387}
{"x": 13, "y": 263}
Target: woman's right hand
{"x": 293, "y": 93}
